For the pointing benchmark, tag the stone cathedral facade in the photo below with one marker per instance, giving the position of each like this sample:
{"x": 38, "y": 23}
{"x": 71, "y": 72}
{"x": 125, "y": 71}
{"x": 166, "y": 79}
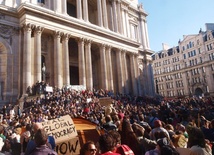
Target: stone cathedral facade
{"x": 94, "y": 43}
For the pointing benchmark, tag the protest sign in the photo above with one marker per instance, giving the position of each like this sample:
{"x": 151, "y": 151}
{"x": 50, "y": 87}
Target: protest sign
{"x": 61, "y": 129}
{"x": 105, "y": 101}
{"x": 48, "y": 89}
{"x": 69, "y": 147}
{"x": 183, "y": 151}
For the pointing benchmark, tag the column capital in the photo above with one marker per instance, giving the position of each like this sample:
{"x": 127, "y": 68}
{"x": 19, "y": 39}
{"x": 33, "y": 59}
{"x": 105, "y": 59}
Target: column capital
{"x": 80, "y": 39}
{"x": 103, "y": 45}
{"x": 66, "y": 36}
{"x": 108, "y": 46}
{"x": 124, "y": 51}
{"x": 28, "y": 27}
{"x": 88, "y": 41}
{"x": 38, "y": 29}
{"x": 57, "y": 34}
{"x": 119, "y": 49}
{"x": 118, "y": 1}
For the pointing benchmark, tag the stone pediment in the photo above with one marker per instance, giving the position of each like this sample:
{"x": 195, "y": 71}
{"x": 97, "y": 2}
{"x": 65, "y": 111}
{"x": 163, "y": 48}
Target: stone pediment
{"x": 188, "y": 37}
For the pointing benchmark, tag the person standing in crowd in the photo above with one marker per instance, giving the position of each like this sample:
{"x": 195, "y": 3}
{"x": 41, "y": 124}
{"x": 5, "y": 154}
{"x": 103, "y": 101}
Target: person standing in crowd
{"x": 107, "y": 145}
{"x": 32, "y": 144}
{"x": 109, "y": 125}
{"x": 41, "y": 139}
{"x": 196, "y": 142}
{"x": 128, "y": 136}
{"x": 158, "y": 128}
{"x": 88, "y": 148}
{"x": 120, "y": 148}
{"x": 25, "y": 137}
{"x": 163, "y": 147}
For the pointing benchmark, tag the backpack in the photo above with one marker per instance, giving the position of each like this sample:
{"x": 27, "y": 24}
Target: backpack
{"x": 124, "y": 150}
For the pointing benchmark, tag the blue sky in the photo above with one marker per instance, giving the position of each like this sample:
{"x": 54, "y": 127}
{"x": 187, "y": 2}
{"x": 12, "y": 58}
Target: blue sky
{"x": 169, "y": 20}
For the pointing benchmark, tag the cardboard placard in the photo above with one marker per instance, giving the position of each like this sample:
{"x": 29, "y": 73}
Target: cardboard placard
{"x": 105, "y": 101}
{"x": 183, "y": 151}
{"x": 48, "y": 89}
{"x": 62, "y": 129}
{"x": 69, "y": 147}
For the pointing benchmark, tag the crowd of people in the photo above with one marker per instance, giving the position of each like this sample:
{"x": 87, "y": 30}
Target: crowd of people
{"x": 133, "y": 125}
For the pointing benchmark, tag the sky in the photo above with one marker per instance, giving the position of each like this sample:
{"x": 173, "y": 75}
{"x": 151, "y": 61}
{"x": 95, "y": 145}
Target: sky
{"x": 169, "y": 20}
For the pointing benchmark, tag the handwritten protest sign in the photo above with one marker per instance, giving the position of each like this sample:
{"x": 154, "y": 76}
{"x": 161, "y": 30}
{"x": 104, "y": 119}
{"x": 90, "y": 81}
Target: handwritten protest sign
{"x": 105, "y": 101}
{"x": 70, "y": 147}
{"x": 61, "y": 129}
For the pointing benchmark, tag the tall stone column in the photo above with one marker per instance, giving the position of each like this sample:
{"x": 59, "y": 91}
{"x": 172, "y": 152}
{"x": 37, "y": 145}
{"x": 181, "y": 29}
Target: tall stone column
{"x": 133, "y": 74}
{"x": 114, "y": 10}
{"x": 79, "y": 9}
{"x": 119, "y": 17}
{"x": 125, "y": 72}
{"x": 147, "y": 37}
{"x": 100, "y": 14}
{"x": 127, "y": 23}
{"x": 27, "y": 57}
{"x": 124, "y": 31}
{"x": 32, "y": 1}
{"x": 66, "y": 71}
{"x": 120, "y": 71}
{"x": 64, "y": 6}
{"x": 109, "y": 69}
{"x": 81, "y": 62}
{"x": 104, "y": 79}
{"x": 37, "y": 46}
{"x": 139, "y": 90}
{"x": 89, "y": 77}
{"x": 85, "y": 10}
{"x": 105, "y": 14}
{"x": 143, "y": 33}
{"x": 57, "y": 5}
{"x": 14, "y": 3}
{"x": 57, "y": 60}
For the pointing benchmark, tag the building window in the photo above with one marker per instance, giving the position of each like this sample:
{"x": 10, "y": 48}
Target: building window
{"x": 41, "y": 1}
{"x": 199, "y": 51}
{"x": 212, "y": 67}
{"x": 209, "y": 37}
{"x": 184, "y": 56}
{"x": 208, "y": 47}
{"x": 201, "y": 60}
{"x": 198, "y": 42}
{"x": 183, "y": 48}
{"x": 194, "y": 52}
{"x": 134, "y": 31}
{"x": 203, "y": 69}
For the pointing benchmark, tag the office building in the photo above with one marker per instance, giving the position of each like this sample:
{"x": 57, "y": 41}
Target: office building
{"x": 188, "y": 68}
